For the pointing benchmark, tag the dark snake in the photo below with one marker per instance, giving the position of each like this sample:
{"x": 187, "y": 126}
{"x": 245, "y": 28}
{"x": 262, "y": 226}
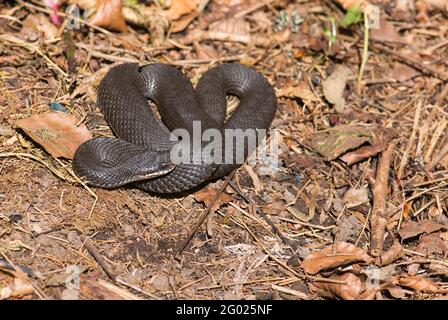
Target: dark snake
{"x": 140, "y": 155}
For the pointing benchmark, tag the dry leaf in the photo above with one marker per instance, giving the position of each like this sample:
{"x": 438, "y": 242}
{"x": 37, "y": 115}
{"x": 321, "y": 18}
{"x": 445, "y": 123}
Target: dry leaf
{"x": 179, "y": 8}
{"x": 432, "y": 243}
{"x": 440, "y": 4}
{"x": 301, "y": 91}
{"x": 207, "y": 194}
{"x": 355, "y": 197}
{"x": 36, "y": 24}
{"x": 109, "y": 15}
{"x": 420, "y": 284}
{"x": 182, "y": 23}
{"x": 339, "y": 254}
{"x": 18, "y": 288}
{"x": 380, "y": 140}
{"x": 336, "y": 141}
{"x": 56, "y": 132}
{"x": 386, "y": 33}
{"x": 333, "y": 87}
{"x": 402, "y": 72}
{"x": 411, "y": 228}
{"x": 351, "y": 290}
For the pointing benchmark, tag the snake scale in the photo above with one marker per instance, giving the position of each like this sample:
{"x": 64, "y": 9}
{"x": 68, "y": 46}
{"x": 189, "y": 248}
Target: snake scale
{"x": 140, "y": 153}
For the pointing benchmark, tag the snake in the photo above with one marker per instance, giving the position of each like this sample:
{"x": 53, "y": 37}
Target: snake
{"x": 140, "y": 154}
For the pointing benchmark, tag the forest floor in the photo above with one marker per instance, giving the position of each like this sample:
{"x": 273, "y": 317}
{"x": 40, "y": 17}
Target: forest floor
{"x": 356, "y": 207}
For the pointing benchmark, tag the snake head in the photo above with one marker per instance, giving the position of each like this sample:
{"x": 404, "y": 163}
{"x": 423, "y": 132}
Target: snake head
{"x": 111, "y": 163}
{"x": 152, "y": 171}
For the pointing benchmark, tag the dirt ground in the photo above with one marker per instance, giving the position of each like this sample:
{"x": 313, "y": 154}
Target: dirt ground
{"x": 357, "y": 208}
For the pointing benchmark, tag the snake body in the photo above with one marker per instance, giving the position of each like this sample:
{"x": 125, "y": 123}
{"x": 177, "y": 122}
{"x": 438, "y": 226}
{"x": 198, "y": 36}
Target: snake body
{"x": 140, "y": 155}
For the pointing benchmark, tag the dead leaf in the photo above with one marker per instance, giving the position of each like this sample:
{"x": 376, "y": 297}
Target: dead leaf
{"x": 339, "y": 254}
{"x": 380, "y": 140}
{"x": 333, "y": 142}
{"x": 440, "y": 4}
{"x": 347, "y": 228}
{"x": 350, "y": 290}
{"x": 109, "y": 15}
{"x": 432, "y": 243}
{"x": 207, "y": 194}
{"x": 179, "y": 8}
{"x": 386, "y": 33}
{"x": 421, "y": 284}
{"x": 411, "y": 228}
{"x": 402, "y": 72}
{"x": 56, "y": 132}
{"x": 355, "y": 197}
{"x": 36, "y": 24}
{"x": 182, "y": 23}
{"x": 301, "y": 91}
{"x": 334, "y": 86}
{"x": 18, "y": 288}
{"x": 233, "y": 29}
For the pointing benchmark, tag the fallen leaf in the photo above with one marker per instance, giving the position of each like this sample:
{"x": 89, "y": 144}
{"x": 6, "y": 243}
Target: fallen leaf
{"x": 333, "y": 87}
{"x": 402, "y": 72}
{"x": 440, "y": 4}
{"x": 179, "y": 8}
{"x": 182, "y": 23}
{"x": 109, "y": 15}
{"x": 432, "y": 243}
{"x": 334, "y": 142}
{"x": 338, "y": 254}
{"x": 36, "y": 24}
{"x": 18, "y": 288}
{"x": 301, "y": 91}
{"x": 386, "y": 33}
{"x": 350, "y": 290}
{"x": 355, "y": 197}
{"x": 421, "y": 284}
{"x": 380, "y": 140}
{"x": 411, "y": 228}
{"x": 56, "y": 132}
{"x": 347, "y": 229}
{"x": 207, "y": 194}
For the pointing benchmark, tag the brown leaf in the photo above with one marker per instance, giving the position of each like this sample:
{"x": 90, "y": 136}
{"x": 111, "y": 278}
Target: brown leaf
{"x": 301, "y": 91}
{"x": 36, "y": 24}
{"x": 411, "y": 228}
{"x": 420, "y": 284}
{"x": 386, "y": 33}
{"x": 333, "y": 87}
{"x": 432, "y": 243}
{"x": 351, "y": 290}
{"x": 402, "y": 72}
{"x": 355, "y": 197}
{"x": 56, "y": 132}
{"x": 109, "y": 15}
{"x": 18, "y": 288}
{"x": 380, "y": 141}
{"x": 207, "y": 194}
{"x": 338, "y": 254}
{"x": 179, "y": 8}
{"x": 334, "y": 142}
{"x": 182, "y": 23}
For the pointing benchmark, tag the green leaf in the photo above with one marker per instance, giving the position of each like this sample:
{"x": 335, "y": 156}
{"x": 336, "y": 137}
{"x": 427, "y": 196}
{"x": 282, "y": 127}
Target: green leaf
{"x": 353, "y": 15}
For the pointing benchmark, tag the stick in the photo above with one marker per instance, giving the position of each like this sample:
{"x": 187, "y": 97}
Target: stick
{"x": 205, "y": 214}
{"x": 378, "y": 219}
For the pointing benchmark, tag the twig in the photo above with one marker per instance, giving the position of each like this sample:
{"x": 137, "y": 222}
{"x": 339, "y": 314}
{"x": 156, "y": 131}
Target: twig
{"x": 288, "y": 242}
{"x": 404, "y": 159}
{"x": 100, "y": 260}
{"x": 426, "y": 69}
{"x": 204, "y": 214}
{"x": 365, "y": 52}
{"x": 378, "y": 219}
